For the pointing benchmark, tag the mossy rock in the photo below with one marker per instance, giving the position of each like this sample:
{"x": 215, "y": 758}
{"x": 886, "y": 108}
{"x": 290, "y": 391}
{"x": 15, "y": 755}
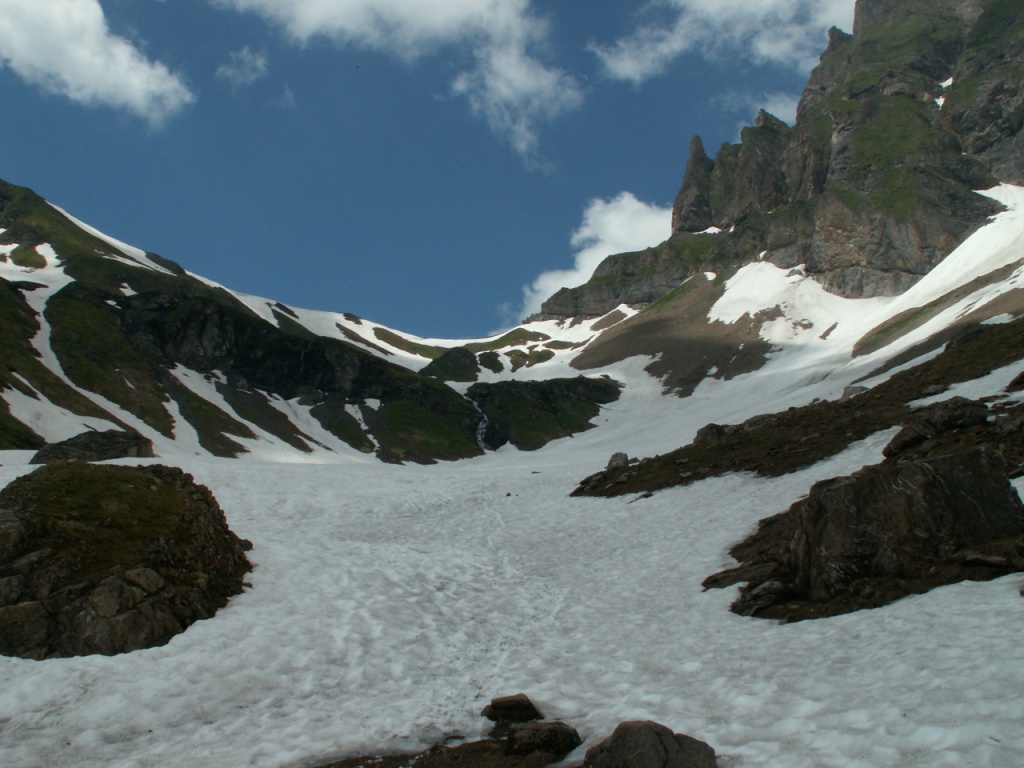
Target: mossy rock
{"x": 100, "y": 559}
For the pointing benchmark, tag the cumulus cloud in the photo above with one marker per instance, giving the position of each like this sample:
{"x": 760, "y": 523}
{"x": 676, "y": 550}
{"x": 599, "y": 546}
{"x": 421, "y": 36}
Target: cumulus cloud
{"x": 243, "y": 68}
{"x": 788, "y": 32}
{"x": 619, "y": 225}
{"x": 66, "y": 48}
{"x": 779, "y": 103}
{"x": 508, "y": 85}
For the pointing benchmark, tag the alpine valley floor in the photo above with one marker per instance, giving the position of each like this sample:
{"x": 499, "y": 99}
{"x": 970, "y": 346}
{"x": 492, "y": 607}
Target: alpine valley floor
{"x": 389, "y": 603}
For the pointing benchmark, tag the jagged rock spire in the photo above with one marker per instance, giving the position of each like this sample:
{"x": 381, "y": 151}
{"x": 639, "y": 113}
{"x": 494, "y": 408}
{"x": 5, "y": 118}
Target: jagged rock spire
{"x": 692, "y": 209}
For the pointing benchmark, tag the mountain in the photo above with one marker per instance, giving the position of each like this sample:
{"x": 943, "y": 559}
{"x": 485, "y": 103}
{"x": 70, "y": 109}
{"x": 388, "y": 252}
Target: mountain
{"x": 873, "y": 185}
{"x": 103, "y": 335}
{"x": 899, "y": 127}
{"x": 815, "y": 387}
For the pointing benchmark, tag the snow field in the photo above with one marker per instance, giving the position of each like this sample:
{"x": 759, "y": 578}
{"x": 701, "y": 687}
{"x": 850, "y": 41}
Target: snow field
{"x": 390, "y": 603}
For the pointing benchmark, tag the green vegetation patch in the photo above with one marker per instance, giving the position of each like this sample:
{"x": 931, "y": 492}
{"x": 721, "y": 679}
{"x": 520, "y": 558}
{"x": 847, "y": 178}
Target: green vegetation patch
{"x": 94, "y": 518}
{"x": 28, "y": 257}
{"x": 456, "y": 364}
{"x": 893, "y": 128}
{"x": 408, "y": 431}
{"x": 96, "y": 356}
{"x": 211, "y": 423}
{"x": 491, "y": 361}
{"x": 911, "y": 319}
{"x": 355, "y": 338}
{"x": 343, "y": 426}
{"x": 15, "y": 436}
{"x": 1001, "y": 23}
{"x": 18, "y": 356}
{"x": 254, "y": 408}
{"x": 413, "y": 348}
{"x": 530, "y": 414}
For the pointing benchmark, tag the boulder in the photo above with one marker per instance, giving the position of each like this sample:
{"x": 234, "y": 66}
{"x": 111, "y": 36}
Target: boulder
{"x": 555, "y": 739}
{"x": 97, "y": 446}
{"x": 933, "y": 420}
{"x": 646, "y": 744}
{"x": 100, "y": 559}
{"x": 512, "y": 709}
{"x": 618, "y": 460}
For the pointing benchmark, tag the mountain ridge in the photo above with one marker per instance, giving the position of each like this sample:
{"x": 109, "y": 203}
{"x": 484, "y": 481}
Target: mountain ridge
{"x": 865, "y": 196}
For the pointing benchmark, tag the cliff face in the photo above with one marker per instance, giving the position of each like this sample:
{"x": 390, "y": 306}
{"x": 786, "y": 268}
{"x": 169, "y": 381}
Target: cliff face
{"x": 873, "y": 185}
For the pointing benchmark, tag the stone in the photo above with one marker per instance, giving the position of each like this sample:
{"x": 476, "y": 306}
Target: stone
{"x": 555, "y": 738}
{"x": 64, "y": 591}
{"x": 512, "y": 709}
{"x": 646, "y": 744}
{"x": 96, "y": 446}
{"x": 935, "y": 419}
{"x": 618, "y": 461}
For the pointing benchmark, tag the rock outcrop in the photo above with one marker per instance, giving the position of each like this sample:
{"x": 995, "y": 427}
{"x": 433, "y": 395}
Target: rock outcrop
{"x": 646, "y": 744}
{"x": 96, "y": 446}
{"x": 874, "y": 183}
{"x": 99, "y": 559}
{"x": 890, "y": 530}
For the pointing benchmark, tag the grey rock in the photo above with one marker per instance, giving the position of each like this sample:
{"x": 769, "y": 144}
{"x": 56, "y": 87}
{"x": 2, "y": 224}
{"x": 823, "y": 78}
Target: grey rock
{"x": 646, "y": 744}
{"x": 898, "y": 524}
{"x": 852, "y": 391}
{"x": 618, "y": 460}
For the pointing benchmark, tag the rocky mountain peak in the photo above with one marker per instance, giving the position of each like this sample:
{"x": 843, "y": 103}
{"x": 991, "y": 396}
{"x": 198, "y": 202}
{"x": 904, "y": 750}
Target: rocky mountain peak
{"x": 875, "y": 183}
{"x": 691, "y": 211}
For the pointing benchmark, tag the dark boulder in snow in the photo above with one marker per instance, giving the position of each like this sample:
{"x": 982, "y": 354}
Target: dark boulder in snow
{"x": 512, "y": 709}
{"x": 99, "y": 559}
{"x": 646, "y": 744}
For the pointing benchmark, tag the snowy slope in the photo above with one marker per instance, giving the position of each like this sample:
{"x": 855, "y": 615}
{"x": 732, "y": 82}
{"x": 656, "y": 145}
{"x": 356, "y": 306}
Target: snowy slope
{"x": 390, "y": 603}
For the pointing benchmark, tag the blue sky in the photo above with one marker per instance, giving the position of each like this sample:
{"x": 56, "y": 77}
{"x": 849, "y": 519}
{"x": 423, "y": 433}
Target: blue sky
{"x": 438, "y": 166}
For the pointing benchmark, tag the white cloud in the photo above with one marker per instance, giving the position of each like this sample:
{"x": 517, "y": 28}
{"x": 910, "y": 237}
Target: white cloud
{"x": 782, "y": 105}
{"x": 789, "y": 32}
{"x": 243, "y": 68}
{"x": 619, "y": 225}
{"x": 66, "y": 48}
{"x": 508, "y": 85}
{"x": 779, "y": 103}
